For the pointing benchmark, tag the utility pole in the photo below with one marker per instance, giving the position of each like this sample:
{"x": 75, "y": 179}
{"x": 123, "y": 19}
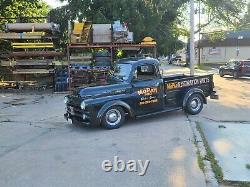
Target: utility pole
{"x": 192, "y": 55}
{"x": 199, "y": 48}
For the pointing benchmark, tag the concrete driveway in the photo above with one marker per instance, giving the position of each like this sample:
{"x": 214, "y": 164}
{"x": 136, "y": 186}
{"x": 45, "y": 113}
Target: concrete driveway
{"x": 226, "y": 123}
{"x": 39, "y": 148}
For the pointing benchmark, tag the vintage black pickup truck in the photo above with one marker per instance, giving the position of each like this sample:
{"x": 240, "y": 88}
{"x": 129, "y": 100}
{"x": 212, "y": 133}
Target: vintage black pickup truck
{"x": 137, "y": 89}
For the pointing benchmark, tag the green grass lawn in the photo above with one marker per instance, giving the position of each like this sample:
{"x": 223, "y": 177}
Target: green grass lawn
{"x": 209, "y": 66}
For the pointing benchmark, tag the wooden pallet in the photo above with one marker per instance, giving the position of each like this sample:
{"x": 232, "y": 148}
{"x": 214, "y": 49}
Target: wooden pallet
{"x": 16, "y": 84}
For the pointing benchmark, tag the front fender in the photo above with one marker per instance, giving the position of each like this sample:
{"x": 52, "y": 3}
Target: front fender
{"x": 191, "y": 92}
{"x": 122, "y": 104}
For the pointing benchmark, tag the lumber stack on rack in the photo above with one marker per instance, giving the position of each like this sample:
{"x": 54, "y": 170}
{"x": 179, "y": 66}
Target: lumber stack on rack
{"x": 121, "y": 33}
{"x": 29, "y": 62}
{"x": 35, "y": 45}
{"x": 32, "y": 27}
{"x": 33, "y": 50}
{"x": 25, "y": 36}
{"x": 81, "y": 33}
{"x": 16, "y": 84}
{"x": 33, "y": 71}
{"x": 7, "y": 85}
{"x": 32, "y": 54}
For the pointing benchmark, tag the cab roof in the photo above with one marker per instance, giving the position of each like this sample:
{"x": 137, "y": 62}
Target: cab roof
{"x": 137, "y": 61}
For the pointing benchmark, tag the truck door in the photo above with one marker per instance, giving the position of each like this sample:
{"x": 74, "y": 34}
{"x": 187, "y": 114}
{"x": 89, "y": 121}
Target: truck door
{"x": 246, "y": 68}
{"x": 148, "y": 90}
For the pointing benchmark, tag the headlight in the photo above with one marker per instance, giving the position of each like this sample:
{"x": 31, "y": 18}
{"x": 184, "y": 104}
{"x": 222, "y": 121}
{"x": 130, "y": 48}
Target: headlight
{"x": 83, "y": 105}
{"x": 66, "y": 99}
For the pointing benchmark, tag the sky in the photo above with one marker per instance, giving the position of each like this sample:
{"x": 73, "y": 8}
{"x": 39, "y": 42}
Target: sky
{"x": 55, "y": 3}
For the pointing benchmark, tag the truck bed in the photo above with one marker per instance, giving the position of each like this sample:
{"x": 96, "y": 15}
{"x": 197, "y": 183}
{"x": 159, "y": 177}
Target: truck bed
{"x": 184, "y": 81}
{"x": 176, "y": 86}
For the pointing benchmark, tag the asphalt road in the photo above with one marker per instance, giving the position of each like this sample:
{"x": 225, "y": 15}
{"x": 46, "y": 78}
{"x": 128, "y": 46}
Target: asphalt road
{"x": 39, "y": 148}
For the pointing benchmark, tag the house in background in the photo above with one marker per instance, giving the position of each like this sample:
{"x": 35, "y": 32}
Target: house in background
{"x": 234, "y": 45}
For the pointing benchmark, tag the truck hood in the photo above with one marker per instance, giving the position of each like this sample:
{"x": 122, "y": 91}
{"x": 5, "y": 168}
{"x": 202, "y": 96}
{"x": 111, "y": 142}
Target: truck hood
{"x": 108, "y": 89}
{"x": 222, "y": 67}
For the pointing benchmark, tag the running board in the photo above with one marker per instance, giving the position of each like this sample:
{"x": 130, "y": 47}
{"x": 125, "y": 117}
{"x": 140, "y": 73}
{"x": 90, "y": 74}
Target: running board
{"x": 160, "y": 112}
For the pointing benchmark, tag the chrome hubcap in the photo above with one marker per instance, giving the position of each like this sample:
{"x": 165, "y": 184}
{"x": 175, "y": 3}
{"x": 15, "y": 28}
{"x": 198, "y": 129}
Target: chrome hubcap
{"x": 195, "y": 104}
{"x": 113, "y": 117}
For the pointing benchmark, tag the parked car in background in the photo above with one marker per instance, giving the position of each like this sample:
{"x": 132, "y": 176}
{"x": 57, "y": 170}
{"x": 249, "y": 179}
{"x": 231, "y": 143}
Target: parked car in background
{"x": 236, "y": 68}
{"x": 171, "y": 59}
{"x": 179, "y": 57}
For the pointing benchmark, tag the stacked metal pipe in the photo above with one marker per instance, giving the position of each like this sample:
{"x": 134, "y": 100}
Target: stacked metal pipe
{"x": 32, "y": 27}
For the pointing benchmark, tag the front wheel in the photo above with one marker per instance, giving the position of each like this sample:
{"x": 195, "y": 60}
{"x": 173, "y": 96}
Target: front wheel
{"x": 194, "y": 104}
{"x": 113, "y": 118}
{"x": 236, "y": 75}
{"x": 221, "y": 73}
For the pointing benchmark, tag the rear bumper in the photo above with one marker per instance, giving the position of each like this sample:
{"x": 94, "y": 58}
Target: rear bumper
{"x": 214, "y": 95}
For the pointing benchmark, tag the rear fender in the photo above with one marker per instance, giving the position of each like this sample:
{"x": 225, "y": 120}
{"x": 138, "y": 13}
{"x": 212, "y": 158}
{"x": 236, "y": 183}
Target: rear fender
{"x": 114, "y": 103}
{"x": 191, "y": 92}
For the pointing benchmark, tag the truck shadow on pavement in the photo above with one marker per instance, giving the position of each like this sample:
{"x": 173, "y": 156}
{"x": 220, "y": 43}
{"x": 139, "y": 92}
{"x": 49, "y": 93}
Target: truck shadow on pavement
{"x": 168, "y": 116}
{"x": 150, "y": 121}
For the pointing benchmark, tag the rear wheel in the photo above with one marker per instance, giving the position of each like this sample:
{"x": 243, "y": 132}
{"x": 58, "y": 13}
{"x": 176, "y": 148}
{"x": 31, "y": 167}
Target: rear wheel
{"x": 221, "y": 72}
{"x": 113, "y": 118}
{"x": 236, "y": 75}
{"x": 194, "y": 104}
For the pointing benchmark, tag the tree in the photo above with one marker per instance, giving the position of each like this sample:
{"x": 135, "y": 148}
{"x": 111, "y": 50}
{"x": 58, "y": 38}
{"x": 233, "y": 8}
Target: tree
{"x": 219, "y": 13}
{"x": 21, "y": 8}
{"x": 225, "y": 12}
{"x": 61, "y": 16}
{"x": 245, "y": 22}
{"x": 144, "y": 17}
{"x": 156, "y": 18}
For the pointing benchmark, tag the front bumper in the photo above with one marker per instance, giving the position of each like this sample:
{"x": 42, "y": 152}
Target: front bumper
{"x": 74, "y": 119}
{"x": 83, "y": 117}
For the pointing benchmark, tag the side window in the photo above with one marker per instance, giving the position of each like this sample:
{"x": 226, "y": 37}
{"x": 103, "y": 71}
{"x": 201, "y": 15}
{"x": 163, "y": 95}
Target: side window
{"x": 145, "y": 72}
{"x": 237, "y": 63}
{"x": 233, "y": 63}
{"x": 247, "y": 64}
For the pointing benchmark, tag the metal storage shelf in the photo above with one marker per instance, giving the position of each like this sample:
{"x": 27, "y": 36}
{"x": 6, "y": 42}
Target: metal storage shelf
{"x": 111, "y": 47}
{"x": 82, "y": 46}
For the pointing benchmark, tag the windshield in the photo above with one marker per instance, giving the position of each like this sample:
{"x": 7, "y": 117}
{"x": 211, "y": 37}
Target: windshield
{"x": 122, "y": 71}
